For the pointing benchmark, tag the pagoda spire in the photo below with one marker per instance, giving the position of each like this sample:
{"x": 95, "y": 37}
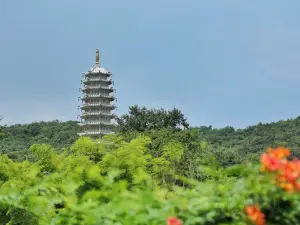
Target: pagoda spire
{"x": 97, "y": 57}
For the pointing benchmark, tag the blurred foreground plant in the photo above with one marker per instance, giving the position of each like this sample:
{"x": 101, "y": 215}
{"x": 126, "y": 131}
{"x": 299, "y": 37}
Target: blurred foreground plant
{"x": 123, "y": 184}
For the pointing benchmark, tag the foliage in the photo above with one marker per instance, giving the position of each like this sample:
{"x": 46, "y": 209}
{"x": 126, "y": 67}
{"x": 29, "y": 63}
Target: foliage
{"x": 229, "y": 146}
{"x": 142, "y": 119}
{"x": 122, "y": 183}
{"x": 253, "y": 140}
{"x": 15, "y": 140}
{"x": 151, "y": 172}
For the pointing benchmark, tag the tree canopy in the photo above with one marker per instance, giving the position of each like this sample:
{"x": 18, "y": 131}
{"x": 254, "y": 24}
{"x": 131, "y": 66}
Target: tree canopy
{"x": 151, "y": 171}
{"x": 232, "y": 145}
{"x": 141, "y": 119}
{"x": 123, "y": 183}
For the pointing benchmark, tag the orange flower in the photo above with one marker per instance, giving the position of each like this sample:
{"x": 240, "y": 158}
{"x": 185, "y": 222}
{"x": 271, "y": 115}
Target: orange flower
{"x": 255, "y": 215}
{"x": 287, "y": 173}
{"x": 270, "y": 163}
{"x": 279, "y": 153}
{"x": 273, "y": 159}
{"x": 290, "y": 171}
{"x": 289, "y": 176}
{"x": 287, "y": 187}
{"x": 174, "y": 221}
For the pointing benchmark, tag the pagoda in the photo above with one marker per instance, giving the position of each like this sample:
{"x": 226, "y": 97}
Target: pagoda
{"x": 97, "y": 102}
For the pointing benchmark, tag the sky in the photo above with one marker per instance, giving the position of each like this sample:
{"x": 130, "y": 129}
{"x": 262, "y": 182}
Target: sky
{"x": 222, "y": 63}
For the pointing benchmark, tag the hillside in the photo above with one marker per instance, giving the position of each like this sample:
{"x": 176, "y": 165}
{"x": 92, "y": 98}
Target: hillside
{"x": 168, "y": 174}
{"x": 15, "y": 140}
{"x": 256, "y": 138}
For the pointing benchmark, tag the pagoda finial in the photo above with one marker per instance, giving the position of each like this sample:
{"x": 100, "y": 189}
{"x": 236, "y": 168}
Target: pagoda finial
{"x": 97, "y": 56}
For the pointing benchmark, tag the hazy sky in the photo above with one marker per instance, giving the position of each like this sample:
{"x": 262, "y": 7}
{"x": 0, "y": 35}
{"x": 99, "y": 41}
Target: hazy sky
{"x": 225, "y": 62}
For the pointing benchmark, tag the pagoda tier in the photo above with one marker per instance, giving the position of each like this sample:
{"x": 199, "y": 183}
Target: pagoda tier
{"x": 97, "y": 68}
{"x": 100, "y": 106}
{"x": 89, "y": 81}
{"x": 96, "y": 124}
{"x": 100, "y": 70}
{"x": 97, "y": 96}
{"x": 89, "y": 89}
{"x": 94, "y": 133}
{"x": 95, "y": 114}
{"x": 97, "y": 102}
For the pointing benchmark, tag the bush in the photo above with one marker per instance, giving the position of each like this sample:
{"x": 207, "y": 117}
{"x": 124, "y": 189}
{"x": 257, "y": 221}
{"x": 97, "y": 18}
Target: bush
{"x": 122, "y": 183}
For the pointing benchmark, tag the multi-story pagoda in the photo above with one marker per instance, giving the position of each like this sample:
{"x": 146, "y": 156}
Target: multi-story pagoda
{"x": 97, "y": 102}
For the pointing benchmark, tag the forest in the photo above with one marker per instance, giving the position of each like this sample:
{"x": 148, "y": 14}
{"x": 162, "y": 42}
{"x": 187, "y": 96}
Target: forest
{"x": 155, "y": 169}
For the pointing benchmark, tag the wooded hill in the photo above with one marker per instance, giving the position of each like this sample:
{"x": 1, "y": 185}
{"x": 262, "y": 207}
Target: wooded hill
{"x": 15, "y": 140}
{"x": 155, "y": 167}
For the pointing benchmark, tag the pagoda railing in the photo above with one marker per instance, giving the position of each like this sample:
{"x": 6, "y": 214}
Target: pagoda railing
{"x": 95, "y": 133}
{"x": 97, "y": 113}
{"x": 99, "y": 104}
{"x": 98, "y": 87}
{"x": 97, "y": 79}
{"x": 96, "y": 123}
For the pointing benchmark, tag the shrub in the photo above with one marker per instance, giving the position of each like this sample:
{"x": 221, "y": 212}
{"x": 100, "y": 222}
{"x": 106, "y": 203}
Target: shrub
{"x": 122, "y": 184}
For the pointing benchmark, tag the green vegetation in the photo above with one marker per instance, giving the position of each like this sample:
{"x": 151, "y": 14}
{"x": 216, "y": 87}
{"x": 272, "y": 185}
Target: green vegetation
{"x": 15, "y": 140}
{"x": 141, "y": 119}
{"x": 160, "y": 126}
{"x": 152, "y": 170}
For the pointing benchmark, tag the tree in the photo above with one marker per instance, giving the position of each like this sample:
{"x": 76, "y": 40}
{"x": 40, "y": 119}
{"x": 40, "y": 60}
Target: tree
{"x": 1, "y": 132}
{"x": 131, "y": 158}
{"x": 165, "y": 166}
{"x": 15, "y": 140}
{"x": 142, "y": 119}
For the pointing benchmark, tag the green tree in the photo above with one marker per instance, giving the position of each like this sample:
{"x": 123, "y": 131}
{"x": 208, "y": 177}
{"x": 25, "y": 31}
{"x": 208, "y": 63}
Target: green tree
{"x": 15, "y": 140}
{"x": 131, "y": 158}
{"x": 142, "y": 119}
{"x": 165, "y": 167}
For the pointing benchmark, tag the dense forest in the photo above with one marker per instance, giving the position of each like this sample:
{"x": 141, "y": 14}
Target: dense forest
{"x": 15, "y": 140}
{"x": 156, "y": 169}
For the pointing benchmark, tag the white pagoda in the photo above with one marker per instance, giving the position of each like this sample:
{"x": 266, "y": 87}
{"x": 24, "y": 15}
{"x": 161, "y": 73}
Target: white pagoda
{"x": 97, "y": 102}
